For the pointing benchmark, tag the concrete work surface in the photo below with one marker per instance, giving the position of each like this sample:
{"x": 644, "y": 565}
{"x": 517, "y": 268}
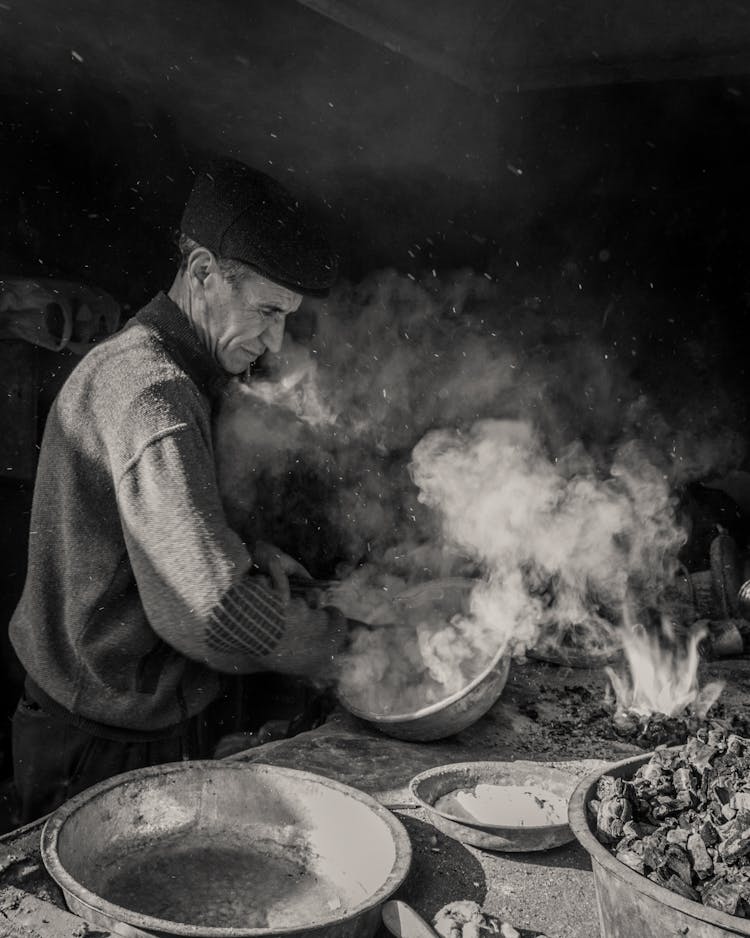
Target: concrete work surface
{"x": 556, "y": 715}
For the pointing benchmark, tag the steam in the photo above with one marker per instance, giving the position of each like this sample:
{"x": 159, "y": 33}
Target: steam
{"x": 422, "y": 431}
{"x": 556, "y": 543}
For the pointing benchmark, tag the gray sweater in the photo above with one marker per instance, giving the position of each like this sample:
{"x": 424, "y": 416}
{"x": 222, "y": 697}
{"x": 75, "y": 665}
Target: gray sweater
{"x": 137, "y": 591}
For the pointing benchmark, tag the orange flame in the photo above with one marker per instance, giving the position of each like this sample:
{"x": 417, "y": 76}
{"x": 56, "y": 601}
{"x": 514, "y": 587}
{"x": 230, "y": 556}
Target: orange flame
{"x": 661, "y": 678}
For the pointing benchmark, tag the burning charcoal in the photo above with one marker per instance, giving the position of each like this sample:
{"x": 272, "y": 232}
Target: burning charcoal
{"x": 678, "y": 885}
{"x": 700, "y": 860}
{"x": 682, "y": 779}
{"x": 593, "y": 808}
{"x": 729, "y": 812}
{"x": 709, "y": 834}
{"x": 632, "y": 859}
{"x": 717, "y": 738}
{"x": 740, "y": 801}
{"x": 612, "y": 814}
{"x": 721, "y": 895}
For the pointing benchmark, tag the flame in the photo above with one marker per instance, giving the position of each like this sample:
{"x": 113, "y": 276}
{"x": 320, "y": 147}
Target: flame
{"x": 662, "y": 678}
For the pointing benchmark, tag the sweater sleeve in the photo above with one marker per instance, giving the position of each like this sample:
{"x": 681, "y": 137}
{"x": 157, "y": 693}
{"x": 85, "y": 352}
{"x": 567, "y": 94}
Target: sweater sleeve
{"x": 192, "y": 570}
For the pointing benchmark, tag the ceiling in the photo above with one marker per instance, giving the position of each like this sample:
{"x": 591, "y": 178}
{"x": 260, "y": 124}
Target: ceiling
{"x": 494, "y": 46}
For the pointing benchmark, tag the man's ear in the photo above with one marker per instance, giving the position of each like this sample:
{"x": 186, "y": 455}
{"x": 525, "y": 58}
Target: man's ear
{"x": 200, "y": 264}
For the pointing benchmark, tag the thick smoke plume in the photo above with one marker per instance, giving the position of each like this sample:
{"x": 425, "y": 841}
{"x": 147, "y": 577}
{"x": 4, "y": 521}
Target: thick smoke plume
{"x": 417, "y": 431}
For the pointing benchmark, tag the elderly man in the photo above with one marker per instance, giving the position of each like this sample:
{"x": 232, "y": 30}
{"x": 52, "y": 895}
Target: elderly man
{"x": 138, "y": 593}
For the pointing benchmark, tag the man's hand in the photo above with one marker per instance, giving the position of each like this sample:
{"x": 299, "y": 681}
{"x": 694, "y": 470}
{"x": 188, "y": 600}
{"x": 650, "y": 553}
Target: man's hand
{"x": 278, "y": 566}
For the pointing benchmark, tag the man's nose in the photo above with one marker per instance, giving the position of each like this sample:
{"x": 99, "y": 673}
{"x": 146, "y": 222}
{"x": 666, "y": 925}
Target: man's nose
{"x": 274, "y": 335}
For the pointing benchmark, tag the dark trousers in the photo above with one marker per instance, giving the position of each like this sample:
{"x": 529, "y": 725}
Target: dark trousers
{"x": 53, "y": 759}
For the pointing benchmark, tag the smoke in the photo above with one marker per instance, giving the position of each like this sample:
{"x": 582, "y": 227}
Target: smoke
{"x": 555, "y": 548}
{"x": 437, "y": 429}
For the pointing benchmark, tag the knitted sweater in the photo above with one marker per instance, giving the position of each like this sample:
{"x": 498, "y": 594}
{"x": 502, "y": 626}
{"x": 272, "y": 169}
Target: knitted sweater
{"x": 137, "y": 591}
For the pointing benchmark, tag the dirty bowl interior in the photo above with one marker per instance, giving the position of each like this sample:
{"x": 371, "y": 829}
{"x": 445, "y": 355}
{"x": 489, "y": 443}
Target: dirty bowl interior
{"x": 444, "y": 598}
{"x": 211, "y": 848}
{"x": 430, "y": 786}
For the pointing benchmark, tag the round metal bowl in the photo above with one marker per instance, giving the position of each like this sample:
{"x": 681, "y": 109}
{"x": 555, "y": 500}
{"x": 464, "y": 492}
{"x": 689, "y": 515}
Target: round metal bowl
{"x": 628, "y": 903}
{"x": 225, "y": 850}
{"x": 428, "y": 787}
{"x": 463, "y": 708}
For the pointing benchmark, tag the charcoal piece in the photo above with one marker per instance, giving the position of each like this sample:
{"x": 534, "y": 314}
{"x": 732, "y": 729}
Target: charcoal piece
{"x": 728, "y": 812}
{"x": 653, "y": 850}
{"x": 740, "y": 801}
{"x": 656, "y": 877}
{"x": 707, "y": 780}
{"x": 683, "y": 780}
{"x": 665, "y": 806}
{"x": 677, "y": 884}
{"x": 610, "y": 787}
{"x": 716, "y": 737}
{"x": 721, "y": 895}
{"x": 678, "y": 836}
{"x": 699, "y": 858}
{"x": 735, "y": 846}
{"x": 737, "y": 745}
{"x": 610, "y": 818}
{"x": 637, "y": 829}
{"x": 593, "y": 807}
{"x": 632, "y": 859}
{"x": 677, "y": 860}
{"x": 650, "y": 772}
{"x": 722, "y": 794}
{"x": 698, "y": 754}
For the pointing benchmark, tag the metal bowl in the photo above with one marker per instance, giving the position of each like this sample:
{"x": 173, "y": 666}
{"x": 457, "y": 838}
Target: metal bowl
{"x": 428, "y": 787}
{"x": 225, "y": 850}
{"x": 463, "y": 708}
{"x": 629, "y": 903}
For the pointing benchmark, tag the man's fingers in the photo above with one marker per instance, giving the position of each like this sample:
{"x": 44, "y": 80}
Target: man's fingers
{"x": 278, "y": 576}
{"x": 293, "y": 567}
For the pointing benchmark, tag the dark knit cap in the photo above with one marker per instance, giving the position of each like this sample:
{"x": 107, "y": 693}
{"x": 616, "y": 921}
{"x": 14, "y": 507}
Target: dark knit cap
{"x": 242, "y": 214}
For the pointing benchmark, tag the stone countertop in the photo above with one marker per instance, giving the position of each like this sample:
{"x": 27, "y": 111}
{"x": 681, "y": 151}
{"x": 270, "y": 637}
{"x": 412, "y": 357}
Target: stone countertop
{"x": 549, "y": 714}
{"x": 550, "y": 892}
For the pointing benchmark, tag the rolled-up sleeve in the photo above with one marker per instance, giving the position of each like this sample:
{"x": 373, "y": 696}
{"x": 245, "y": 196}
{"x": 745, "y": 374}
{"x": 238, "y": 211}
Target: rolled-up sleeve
{"x": 187, "y": 561}
{"x": 193, "y": 571}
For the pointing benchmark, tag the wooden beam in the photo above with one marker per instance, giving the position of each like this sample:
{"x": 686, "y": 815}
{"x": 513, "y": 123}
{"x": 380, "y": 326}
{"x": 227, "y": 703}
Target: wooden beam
{"x": 372, "y": 27}
{"x": 493, "y": 80}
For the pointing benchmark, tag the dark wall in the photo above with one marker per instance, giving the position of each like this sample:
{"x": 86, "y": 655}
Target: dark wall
{"x": 627, "y": 201}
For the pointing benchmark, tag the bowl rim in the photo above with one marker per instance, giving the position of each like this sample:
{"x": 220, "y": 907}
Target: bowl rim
{"x": 488, "y": 828}
{"x": 407, "y": 716}
{"x": 67, "y": 882}
{"x": 436, "y": 707}
{"x": 579, "y": 824}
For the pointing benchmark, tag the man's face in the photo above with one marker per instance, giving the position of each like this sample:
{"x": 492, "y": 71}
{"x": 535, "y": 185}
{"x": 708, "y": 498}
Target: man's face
{"x": 245, "y": 317}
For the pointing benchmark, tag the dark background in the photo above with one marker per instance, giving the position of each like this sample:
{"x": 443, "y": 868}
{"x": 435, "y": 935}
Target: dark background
{"x": 590, "y": 153}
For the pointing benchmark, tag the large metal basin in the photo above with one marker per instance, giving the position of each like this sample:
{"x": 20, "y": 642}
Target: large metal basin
{"x": 629, "y": 904}
{"x": 461, "y": 709}
{"x": 224, "y": 849}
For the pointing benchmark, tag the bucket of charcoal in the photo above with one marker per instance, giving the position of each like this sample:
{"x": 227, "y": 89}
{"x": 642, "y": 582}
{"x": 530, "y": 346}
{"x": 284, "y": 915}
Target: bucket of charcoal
{"x": 668, "y": 834}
